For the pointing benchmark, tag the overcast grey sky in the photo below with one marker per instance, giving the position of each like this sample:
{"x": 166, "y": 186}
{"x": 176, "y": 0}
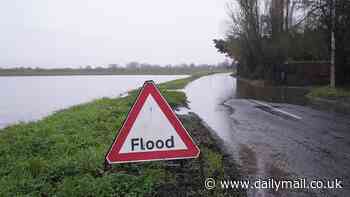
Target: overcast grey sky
{"x": 54, "y": 33}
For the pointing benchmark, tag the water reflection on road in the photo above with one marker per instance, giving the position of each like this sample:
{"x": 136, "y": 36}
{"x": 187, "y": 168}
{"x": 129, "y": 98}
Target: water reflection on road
{"x": 206, "y": 96}
{"x": 281, "y": 94}
{"x": 268, "y": 144}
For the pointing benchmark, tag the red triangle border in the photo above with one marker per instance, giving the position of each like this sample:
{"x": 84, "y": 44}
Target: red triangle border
{"x": 150, "y": 89}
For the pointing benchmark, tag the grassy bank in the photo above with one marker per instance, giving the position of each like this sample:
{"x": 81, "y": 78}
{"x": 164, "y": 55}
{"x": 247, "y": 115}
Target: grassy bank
{"x": 330, "y": 99}
{"x": 63, "y": 155}
{"x": 327, "y": 92}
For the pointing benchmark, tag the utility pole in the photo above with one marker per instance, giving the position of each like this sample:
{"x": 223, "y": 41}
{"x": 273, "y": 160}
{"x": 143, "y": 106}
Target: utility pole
{"x": 332, "y": 82}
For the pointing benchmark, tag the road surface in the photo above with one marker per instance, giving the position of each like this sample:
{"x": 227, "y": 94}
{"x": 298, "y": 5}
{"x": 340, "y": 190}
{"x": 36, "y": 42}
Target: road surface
{"x": 275, "y": 140}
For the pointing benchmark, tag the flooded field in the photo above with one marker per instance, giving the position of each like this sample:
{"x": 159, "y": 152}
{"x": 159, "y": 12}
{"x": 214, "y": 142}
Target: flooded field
{"x": 31, "y": 98}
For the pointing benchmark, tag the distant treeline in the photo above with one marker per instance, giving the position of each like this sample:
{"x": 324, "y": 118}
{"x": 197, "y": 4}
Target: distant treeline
{"x": 132, "y": 68}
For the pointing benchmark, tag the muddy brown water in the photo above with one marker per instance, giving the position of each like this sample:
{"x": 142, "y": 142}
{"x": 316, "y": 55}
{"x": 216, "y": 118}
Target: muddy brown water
{"x": 316, "y": 145}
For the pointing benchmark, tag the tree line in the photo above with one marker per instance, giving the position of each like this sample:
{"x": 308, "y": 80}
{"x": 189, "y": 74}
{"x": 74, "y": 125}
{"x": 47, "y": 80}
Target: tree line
{"x": 132, "y": 68}
{"x": 266, "y": 33}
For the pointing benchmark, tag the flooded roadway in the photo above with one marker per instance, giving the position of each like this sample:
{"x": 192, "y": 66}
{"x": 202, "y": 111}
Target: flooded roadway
{"x": 275, "y": 140}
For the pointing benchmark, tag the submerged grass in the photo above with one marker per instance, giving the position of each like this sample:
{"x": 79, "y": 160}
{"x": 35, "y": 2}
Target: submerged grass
{"x": 63, "y": 154}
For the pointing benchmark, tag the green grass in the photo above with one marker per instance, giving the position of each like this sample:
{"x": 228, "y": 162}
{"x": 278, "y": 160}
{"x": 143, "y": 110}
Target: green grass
{"x": 181, "y": 83}
{"x": 329, "y": 93}
{"x": 63, "y": 154}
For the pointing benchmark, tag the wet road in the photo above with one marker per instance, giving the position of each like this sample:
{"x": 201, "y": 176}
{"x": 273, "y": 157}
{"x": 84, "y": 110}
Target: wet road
{"x": 275, "y": 140}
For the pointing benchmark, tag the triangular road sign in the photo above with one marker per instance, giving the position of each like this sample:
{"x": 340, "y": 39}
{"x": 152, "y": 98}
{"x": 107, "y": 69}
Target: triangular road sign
{"x": 151, "y": 132}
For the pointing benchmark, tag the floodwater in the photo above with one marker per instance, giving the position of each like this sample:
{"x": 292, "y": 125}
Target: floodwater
{"x": 31, "y": 98}
{"x": 279, "y": 140}
{"x": 276, "y": 94}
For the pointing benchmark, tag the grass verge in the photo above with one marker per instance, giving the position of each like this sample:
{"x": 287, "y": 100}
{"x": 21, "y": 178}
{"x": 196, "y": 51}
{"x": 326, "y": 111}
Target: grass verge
{"x": 327, "y": 92}
{"x": 63, "y": 155}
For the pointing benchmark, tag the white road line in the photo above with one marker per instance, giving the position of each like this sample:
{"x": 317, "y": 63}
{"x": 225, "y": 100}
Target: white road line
{"x": 275, "y": 109}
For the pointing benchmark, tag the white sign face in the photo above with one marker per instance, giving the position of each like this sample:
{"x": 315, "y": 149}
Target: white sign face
{"x": 152, "y": 131}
